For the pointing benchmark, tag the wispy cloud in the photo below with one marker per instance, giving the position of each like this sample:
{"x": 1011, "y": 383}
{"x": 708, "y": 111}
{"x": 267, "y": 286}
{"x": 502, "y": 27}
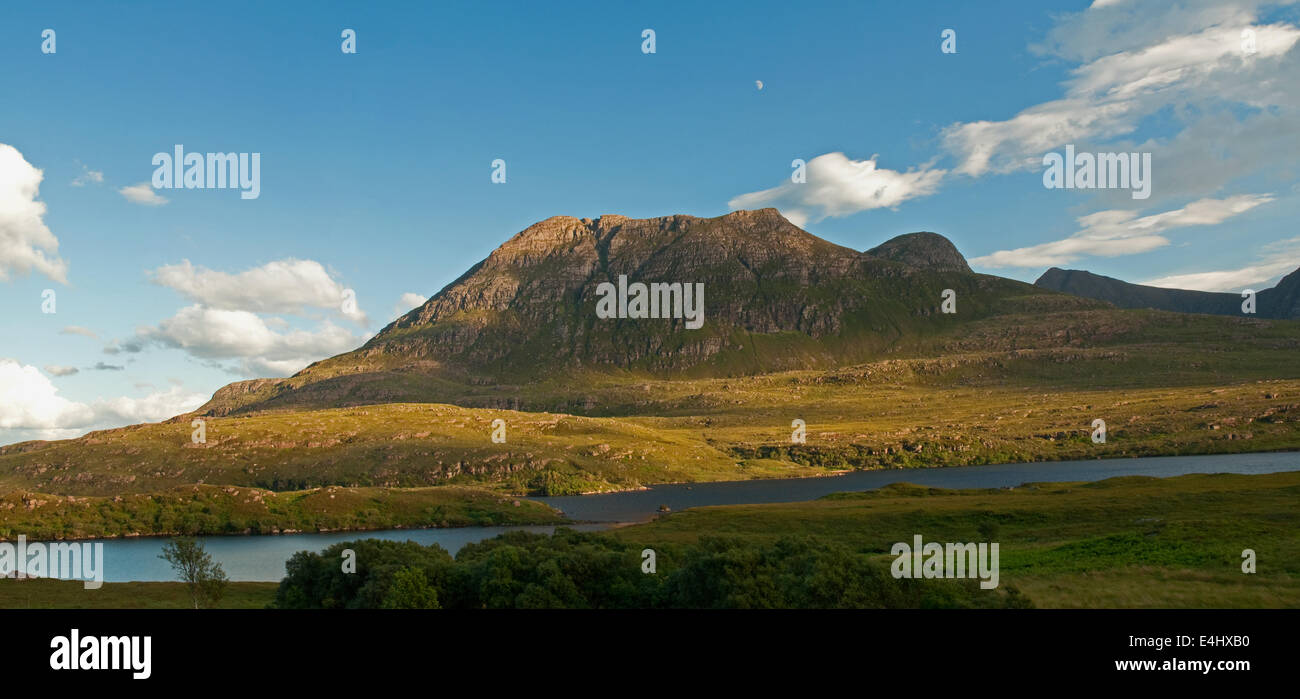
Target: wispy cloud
{"x": 1108, "y": 96}
{"x": 1277, "y": 259}
{"x": 78, "y": 330}
{"x": 143, "y": 194}
{"x": 88, "y": 176}
{"x": 1116, "y": 232}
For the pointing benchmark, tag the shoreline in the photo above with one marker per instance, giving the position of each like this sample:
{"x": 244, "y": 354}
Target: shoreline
{"x": 566, "y": 521}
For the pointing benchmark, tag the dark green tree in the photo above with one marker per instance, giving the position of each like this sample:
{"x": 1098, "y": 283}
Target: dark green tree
{"x": 410, "y": 589}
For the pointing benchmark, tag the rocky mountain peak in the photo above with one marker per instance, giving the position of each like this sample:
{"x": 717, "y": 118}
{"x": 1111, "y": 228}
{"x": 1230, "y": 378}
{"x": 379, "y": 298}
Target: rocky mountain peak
{"x": 923, "y": 250}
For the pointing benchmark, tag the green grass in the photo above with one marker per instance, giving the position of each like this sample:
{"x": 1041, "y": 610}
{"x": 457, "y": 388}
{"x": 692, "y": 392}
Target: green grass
{"x": 1122, "y": 542}
{"x": 1132, "y": 542}
{"x": 71, "y": 594}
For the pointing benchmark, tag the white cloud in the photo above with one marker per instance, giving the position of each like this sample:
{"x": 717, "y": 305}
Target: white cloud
{"x": 142, "y": 193}
{"x": 26, "y": 243}
{"x": 156, "y": 406}
{"x": 229, "y": 327}
{"x": 1278, "y": 259}
{"x": 88, "y": 175}
{"x": 838, "y": 186}
{"x": 408, "y": 301}
{"x": 216, "y": 334}
{"x": 1108, "y": 96}
{"x": 282, "y": 286}
{"x": 30, "y": 407}
{"x": 78, "y": 330}
{"x": 1115, "y": 232}
{"x": 56, "y": 370}
{"x": 1111, "y": 26}
{"x": 28, "y": 400}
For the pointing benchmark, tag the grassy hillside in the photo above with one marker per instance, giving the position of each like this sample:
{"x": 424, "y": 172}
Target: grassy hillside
{"x": 965, "y": 409}
{"x": 210, "y": 509}
{"x": 1122, "y": 542}
{"x": 996, "y": 392}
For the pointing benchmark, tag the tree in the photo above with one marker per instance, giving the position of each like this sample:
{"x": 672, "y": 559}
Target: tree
{"x": 205, "y": 578}
{"x": 410, "y": 590}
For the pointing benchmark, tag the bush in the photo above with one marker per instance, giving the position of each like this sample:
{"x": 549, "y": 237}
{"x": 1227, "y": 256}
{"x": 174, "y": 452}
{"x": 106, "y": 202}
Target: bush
{"x": 317, "y": 580}
{"x": 575, "y": 570}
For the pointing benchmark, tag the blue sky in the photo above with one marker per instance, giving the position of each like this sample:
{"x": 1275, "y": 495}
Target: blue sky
{"x": 375, "y": 166}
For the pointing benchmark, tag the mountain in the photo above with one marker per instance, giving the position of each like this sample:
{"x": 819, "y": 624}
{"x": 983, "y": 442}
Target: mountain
{"x": 796, "y": 332}
{"x": 775, "y": 298}
{"x": 923, "y": 250}
{"x": 1282, "y": 301}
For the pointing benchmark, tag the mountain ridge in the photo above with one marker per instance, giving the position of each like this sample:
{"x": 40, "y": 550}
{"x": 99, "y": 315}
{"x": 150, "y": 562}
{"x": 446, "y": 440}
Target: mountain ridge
{"x": 1279, "y": 302}
{"x": 777, "y": 298}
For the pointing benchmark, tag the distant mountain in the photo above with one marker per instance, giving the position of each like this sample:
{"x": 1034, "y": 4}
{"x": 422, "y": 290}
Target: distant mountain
{"x": 1282, "y": 301}
{"x": 775, "y": 298}
{"x": 1126, "y": 295}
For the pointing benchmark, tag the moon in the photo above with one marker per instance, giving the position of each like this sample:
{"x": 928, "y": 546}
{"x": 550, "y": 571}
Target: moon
{"x": 759, "y": 83}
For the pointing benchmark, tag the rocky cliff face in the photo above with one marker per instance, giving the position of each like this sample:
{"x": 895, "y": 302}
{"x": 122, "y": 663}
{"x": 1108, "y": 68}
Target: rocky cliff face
{"x": 533, "y": 300}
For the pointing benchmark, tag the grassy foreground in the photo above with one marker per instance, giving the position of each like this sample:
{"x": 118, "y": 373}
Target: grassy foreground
{"x": 1123, "y": 542}
{"x": 1132, "y": 542}
{"x": 70, "y": 594}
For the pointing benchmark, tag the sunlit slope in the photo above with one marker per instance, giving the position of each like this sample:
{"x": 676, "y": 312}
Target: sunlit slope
{"x": 977, "y": 407}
